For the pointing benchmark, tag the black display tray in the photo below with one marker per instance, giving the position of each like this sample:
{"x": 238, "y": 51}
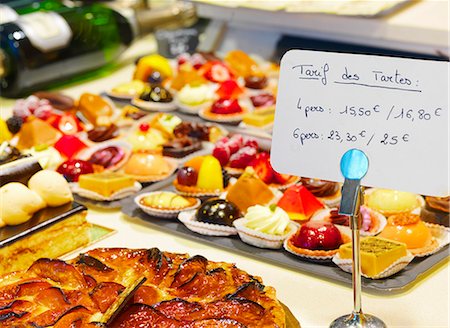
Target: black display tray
{"x": 397, "y": 282}
{"x": 40, "y": 220}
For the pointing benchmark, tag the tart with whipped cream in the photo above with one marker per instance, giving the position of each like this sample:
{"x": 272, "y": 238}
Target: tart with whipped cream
{"x": 265, "y": 226}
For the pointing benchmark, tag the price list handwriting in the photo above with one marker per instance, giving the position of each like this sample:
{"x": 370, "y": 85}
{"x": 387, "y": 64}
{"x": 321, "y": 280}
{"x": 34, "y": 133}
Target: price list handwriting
{"x": 362, "y": 136}
{"x": 393, "y": 112}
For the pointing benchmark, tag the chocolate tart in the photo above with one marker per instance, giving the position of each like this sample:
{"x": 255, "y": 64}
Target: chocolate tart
{"x": 103, "y": 133}
{"x": 181, "y": 147}
{"x": 436, "y": 210}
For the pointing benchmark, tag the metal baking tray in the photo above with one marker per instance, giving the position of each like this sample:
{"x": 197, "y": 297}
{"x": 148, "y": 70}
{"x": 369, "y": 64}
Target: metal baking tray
{"x": 405, "y": 278}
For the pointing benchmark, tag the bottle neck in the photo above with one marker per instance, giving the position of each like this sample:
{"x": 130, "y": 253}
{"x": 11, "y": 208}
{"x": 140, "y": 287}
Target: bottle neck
{"x": 144, "y": 20}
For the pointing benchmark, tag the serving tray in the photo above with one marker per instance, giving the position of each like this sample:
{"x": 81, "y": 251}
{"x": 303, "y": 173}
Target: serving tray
{"x": 330, "y": 271}
{"x": 40, "y": 220}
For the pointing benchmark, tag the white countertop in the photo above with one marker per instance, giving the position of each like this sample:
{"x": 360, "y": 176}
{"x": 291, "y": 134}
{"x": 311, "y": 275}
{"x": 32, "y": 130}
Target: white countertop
{"x": 314, "y": 301}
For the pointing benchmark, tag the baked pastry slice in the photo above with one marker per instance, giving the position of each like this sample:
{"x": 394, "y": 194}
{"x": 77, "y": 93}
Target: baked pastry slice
{"x": 179, "y": 291}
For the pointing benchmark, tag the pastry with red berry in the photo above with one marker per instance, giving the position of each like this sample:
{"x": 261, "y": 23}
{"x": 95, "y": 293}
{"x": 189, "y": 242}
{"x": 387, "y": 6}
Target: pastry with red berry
{"x": 235, "y": 153}
{"x": 224, "y": 110}
{"x": 316, "y": 240}
{"x": 262, "y": 166}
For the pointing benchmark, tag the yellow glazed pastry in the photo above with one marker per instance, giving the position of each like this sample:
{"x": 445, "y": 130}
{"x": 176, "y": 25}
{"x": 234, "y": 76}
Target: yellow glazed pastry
{"x": 105, "y": 183}
{"x": 210, "y": 174}
{"x": 377, "y": 254}
{"x": 390, "y": 202}
{"x": 52, "y": 187}
{"x": 258, "y": 119}
{"x": 146, "y": 139}
{"x": 133, "y": 88}
{"x": 5, "y": 135}
{"x": 166, "y": 200}
{"x": 408, "y": 229}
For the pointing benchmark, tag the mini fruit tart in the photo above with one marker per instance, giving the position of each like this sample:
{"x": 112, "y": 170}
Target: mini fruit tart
{"x": 181, "y": 147}
{"x": 265, "y": 226}
{"x": 111, "y": 155}
{"x": 421, "y": 239}
{"x": 148, "y": 167}
{"x": 214, "y": 217}
{"x": 155, "y": 98}
{"x": 191, "y": 99}
{"x": 224, "y": 110}
{"x": 317, "y": 241}
{"x": 201, "y": 176}
{"x": 127, "y": 90}
{"x": 372, "y": 222}
{"x": 165, "y": 204}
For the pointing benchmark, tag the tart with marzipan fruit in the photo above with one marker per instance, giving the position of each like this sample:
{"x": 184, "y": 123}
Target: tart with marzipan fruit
{"x": 201, "y": 176}
{"x": 165, "y": 203}
{"x": 179, "y": 291}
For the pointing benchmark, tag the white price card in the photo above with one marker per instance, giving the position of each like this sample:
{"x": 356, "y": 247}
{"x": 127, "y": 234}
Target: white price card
{"x": 393, "y": 109}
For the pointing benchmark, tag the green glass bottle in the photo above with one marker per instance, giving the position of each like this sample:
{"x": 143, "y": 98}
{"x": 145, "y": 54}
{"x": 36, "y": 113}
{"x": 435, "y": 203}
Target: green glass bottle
{"x": 11, "y": 10}
{"x": 44, "y": 47}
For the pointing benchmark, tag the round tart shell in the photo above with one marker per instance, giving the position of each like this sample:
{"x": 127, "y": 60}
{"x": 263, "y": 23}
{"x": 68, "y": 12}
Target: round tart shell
{"x": 164, "y": 212}
{"x": 203, "y": 228}
{"x": 313, "y": 254}
{"x": 194, "y": 190}
{"x": 157, "y": 177}
{"x": 206, "y": 114}
{"x": 154, "y": 106}
{"x": 261, "y": 239}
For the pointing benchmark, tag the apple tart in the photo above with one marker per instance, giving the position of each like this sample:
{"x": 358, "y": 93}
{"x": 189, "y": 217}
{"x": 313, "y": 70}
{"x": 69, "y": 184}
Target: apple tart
{"x": 178, "y": 291}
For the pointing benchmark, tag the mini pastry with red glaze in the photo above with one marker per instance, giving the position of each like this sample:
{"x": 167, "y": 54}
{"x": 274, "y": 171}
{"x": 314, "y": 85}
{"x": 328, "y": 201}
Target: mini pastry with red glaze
{"x": 316, "y": 239}
{"x": 72, "y": 169}
{"x": 235, "y": 153}
{"x": 371, "y": 221}
{"x": 327, "y": 192}
{"x": 226, "y": 110}
{"x": 262, "y": 166}
{"x": 299, "y": 203}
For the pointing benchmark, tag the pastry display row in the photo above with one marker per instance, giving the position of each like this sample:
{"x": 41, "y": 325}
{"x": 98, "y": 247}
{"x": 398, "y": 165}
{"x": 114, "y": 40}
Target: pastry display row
{"x": 196, "y": 126}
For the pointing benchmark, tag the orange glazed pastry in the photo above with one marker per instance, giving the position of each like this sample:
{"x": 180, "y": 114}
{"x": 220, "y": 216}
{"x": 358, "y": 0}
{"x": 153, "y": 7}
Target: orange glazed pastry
{"x": 249, "y": 190}
{"x": 95, "y": 108}
{"x": 179, "y": 291}
{"x": 36, "y": 132}
{"x": 409, "y": 229}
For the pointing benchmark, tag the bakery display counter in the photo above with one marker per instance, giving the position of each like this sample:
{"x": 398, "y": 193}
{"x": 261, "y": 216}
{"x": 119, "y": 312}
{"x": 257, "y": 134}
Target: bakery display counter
{"x": 314, "y": 301}
{"x": 109, "y": 150}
